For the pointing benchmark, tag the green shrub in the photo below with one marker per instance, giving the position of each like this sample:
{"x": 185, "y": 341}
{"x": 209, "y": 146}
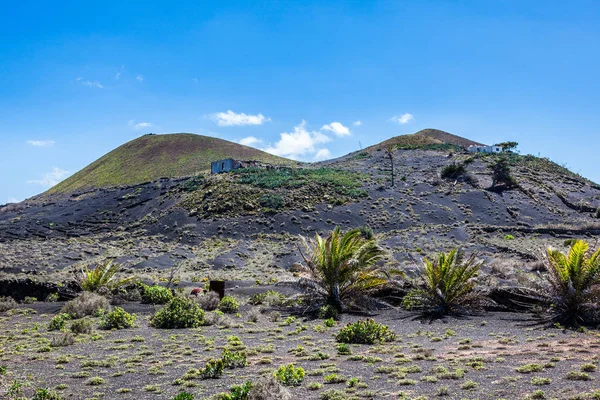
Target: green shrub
{"x": 183, "y": 396}
{"x": 82, "y": 326}
{"x": 180, "y": 312}
{"x": 29, "y": 300}
{"x": 453, "y": 171}
{"x": 365, "y": 332}
{"x": 213, "y": 369}
{"x": 117, "y": 319}
{"x": 45, "y": 394}
{"x": 329, "y": 322}
{"x": 237, "y": 392}
{"x": 366, "y": 232}
{"x": 156, "y": 295}
{"x": 229, "y": 305}
{"x": 233, "y": 359}
{"x": 343, "y": 349}
{"x": 289, "y": 375}
{"x": 272, "y": 201}
{"x": 52, "y": 298}
{"x": 58, "y": 322}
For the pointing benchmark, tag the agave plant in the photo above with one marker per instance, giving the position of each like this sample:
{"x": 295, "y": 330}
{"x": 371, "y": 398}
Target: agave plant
{"x": 103, "y": 276}
{"x": 574, "y": 284}
{"x": 341, "y": 268}
{"x": 447, "y": 285}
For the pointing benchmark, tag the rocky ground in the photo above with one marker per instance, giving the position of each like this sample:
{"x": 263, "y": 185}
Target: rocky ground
{"x": 496, "y": 355}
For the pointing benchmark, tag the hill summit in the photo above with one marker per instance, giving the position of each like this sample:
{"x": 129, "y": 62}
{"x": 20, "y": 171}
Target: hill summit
{"x": 151, "y": 157}
{"x": 426, "y": 137}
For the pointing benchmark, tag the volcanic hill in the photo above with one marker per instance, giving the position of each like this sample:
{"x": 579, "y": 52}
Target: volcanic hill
{"x": 151, "y": 204}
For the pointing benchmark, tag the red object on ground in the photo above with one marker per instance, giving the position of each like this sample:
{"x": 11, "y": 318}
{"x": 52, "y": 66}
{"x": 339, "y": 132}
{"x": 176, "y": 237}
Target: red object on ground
{"x": 197, "y": 291}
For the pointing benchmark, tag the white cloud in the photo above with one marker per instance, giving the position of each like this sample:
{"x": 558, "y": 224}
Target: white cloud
{"x": 13, "y": 200}
{"x": 357, "y": 123}
{"x": 89, "y": 83}
{"x": 337, "y": 128}
{"x": 51, "y": 178}
{"x": 322, "y": 154}
{"x": 402, "y": 119}
{"x": 230, "y": 118}
{"x": 139, "y": 125}
{"x": 249, "y": 141}
{"x": 298, "y": 143}
{"x": 140, "y": 78}
{"x": 41, "y": 143}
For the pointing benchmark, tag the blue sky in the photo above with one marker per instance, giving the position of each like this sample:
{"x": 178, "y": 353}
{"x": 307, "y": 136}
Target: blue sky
{"x": 302, "y": 79}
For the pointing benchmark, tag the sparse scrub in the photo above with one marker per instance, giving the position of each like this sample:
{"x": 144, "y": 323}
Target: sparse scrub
{"x": 58, "y": 322}
{"x": 290, "y": 375}
{"x": 7, "y": 303}
{"x": 208, "y": 301}
{"x": 82, "y": 326}
{"x": 268, "y": 388}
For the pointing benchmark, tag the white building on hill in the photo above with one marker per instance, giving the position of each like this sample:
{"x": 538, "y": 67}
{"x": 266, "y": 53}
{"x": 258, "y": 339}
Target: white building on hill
{"x": 484, "y": 149}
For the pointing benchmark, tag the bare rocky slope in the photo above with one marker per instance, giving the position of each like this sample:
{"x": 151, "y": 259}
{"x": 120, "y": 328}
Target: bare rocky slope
{"x": 245, "y": 225}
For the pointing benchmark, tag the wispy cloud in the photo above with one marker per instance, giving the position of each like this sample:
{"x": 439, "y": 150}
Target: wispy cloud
{"x": 88, "y": 83}
{"x": 337, "y": 128}
{"x": 119, "y": 71}
{"x": 402, "y": 119}
{"x": 41, "y": 143}
{"x": 139, "y": 125}
{"x": 250, "y": 141}
{"x": 230, "y": 118}
{"x": 51, "y": 178}
{"x": 140, "y": 78}
{"x": 13, "y": 200}
{"x": 299, "y": 143}
{"x": 357, "y": 123}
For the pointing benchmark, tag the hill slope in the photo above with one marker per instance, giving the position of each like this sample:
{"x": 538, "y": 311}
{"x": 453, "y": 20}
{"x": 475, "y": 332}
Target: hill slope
{"x": 151, "y": 157}
{"x": 423, "y": 138}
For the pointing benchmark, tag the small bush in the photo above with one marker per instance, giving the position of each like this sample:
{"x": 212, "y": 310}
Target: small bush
{"x": 184, "y": 396}
{"x": 453, "y": 171}
{"x": 103, "y": 276}
{"x": 365, "y": 332}
{"x": 234, "y": 359}
{"x": 117, "y": 319}
{"x": 328, "y": 311}
{"x": 29, "y": 300}
{"x": 58, "y": 322}
{"x": 179, "y": 313}
{"x": 209, "y": 301}
{"x": 343, "y": 349}
{"x": 156, "y": 295}
{"x": 7, "y": 303}
{"x": 86, "y": 304}
{"x": 236, "y": 392}
{"x": 45, "y": 394}
{"x": 268, "y": 388}
{"x": 366, "y": 232}
{"x": 268, "y": 298}
{"x": 289, "y": 375}
{"x": 229, "y": 305}
{"x": 213, "y": 369}
{"x": 52, "y": 298}
{"x": 82, "y": 326}
{"x": 62, "y": 340}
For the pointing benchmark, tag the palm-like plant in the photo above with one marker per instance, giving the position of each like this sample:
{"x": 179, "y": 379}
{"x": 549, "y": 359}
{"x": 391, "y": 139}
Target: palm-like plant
{"x": 574, "y": 279}
{"x": 342, "y": 268}
{"x": 447, "y": 285}
{"x": 103, "y": 276}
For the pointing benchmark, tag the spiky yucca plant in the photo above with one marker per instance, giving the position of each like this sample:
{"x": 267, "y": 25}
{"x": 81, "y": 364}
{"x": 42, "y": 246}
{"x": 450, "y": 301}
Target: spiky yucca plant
{"x": 342, "y": 268}
{"x": 103, "y": 276}
{"x": 447, "y": 285}
{"x": 574, "y": 284}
